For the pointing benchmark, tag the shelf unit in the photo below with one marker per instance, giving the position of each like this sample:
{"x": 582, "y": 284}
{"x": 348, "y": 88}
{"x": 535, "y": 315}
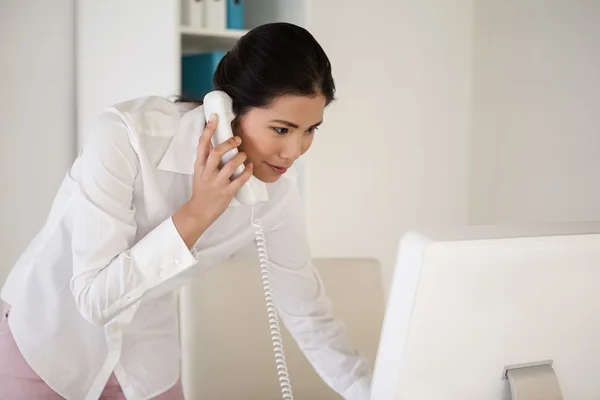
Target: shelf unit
{"x": 129, "y": 49}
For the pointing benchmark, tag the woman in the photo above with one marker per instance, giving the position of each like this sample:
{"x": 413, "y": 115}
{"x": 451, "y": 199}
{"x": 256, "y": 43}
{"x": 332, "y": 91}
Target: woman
{"x": 90, "y": 307}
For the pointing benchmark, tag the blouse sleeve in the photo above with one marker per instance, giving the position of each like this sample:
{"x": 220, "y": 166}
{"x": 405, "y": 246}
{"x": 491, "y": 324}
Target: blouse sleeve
{"x": 111, "y": 271}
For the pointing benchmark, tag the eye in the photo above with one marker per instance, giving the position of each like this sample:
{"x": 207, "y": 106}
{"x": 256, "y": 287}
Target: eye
{"x": 313, "y": 129}
{"x": 281, "y": 131}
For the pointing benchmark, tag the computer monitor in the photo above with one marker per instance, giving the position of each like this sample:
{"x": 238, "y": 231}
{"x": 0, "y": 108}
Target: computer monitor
{"x": 493, "y": 313}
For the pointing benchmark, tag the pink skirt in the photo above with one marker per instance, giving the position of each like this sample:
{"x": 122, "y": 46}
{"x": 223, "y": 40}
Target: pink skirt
{"x": 19, "y": 382}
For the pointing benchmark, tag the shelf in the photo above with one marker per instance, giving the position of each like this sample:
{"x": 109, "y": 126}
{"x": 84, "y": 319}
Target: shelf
{"x": 203, "y": 39}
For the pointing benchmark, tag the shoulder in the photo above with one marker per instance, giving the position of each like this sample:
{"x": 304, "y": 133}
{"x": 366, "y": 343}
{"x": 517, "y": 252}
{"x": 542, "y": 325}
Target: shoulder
{"x": 133, "y": 127}
{"x": 140, "y": 124}
{"x": 151, "y": 115}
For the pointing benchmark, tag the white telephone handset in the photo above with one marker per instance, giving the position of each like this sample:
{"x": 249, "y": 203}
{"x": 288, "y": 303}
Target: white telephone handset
{"x": 218, "y": 102}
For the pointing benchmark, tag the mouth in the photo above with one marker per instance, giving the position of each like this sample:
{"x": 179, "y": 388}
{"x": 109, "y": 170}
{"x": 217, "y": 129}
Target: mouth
{"x": 278, "y": 169}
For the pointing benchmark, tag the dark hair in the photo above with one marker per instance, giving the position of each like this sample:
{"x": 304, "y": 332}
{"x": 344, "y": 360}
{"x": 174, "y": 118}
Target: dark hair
{"x": 273, "y": 60}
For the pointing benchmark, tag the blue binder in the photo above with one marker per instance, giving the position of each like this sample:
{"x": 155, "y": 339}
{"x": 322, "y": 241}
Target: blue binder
{"x": 197, "y": 72}
{"x": 235, "y": 14}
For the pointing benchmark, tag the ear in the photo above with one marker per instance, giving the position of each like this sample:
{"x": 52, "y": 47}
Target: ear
{"x": 235, "y": 126}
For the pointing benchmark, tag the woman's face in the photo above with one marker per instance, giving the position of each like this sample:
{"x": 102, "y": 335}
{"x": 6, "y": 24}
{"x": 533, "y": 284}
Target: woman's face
{"x": 274, "y": 137}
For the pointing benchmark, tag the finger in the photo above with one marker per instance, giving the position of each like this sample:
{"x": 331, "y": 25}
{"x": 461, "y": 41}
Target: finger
{"x": 229, "y": 168}
{"x": 204, "y": 144}
{"x": 238, "y": 182}
{"x": 214, "y": 158}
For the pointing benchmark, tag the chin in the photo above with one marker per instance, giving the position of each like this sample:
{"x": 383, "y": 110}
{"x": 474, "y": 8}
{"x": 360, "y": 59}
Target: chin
{"x": 266, "y": 175}
{"x": 270, "y": 178}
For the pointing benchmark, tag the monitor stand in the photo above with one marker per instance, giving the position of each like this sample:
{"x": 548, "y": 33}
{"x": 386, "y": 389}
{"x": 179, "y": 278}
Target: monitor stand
{"x": 533, "y": 381}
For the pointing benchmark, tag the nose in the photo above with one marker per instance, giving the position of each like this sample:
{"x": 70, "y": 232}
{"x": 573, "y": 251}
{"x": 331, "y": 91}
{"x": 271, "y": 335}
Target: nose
{"x": 291, "y": 148}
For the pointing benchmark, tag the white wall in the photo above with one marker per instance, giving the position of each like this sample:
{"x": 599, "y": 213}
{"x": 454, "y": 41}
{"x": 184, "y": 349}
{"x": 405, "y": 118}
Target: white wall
{"x": 536, "y": 127}
{"x": 392, "y": 153}
{"x": 121, "y": 56}
{"x": 37, "y": 117}
{"x": 449, "y": 127}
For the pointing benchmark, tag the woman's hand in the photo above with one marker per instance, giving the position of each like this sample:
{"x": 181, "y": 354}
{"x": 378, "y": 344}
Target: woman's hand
{"x": 213, "y": 188}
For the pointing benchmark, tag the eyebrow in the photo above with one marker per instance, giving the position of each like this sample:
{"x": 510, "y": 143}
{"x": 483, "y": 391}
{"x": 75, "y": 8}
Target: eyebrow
{"x": 293, "y": 125}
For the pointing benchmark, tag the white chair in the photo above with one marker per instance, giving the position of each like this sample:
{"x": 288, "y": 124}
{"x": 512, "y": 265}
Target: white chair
{"x": 226, "y": 344}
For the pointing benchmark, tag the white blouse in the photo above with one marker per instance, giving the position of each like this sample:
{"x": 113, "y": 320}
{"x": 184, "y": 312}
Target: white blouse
{"x": 95, "y": 291}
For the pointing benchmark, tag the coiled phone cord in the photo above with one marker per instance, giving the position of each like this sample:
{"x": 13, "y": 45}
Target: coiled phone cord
{"x": 276, "y": 339}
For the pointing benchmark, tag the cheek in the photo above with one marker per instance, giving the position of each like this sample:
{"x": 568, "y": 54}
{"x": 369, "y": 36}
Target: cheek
{"x": 257, "y": 146}
{"x": 250, "y": 140}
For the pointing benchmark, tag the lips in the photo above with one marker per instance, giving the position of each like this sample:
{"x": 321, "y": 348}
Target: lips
{"x": 278, "y": 169}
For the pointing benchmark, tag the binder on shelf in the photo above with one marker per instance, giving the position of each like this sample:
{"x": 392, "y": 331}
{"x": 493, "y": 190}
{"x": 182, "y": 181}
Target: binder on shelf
{"x": 192, "y": 13}
{"x": 197, "y": 72}
{"x": 215, "y": 14}
{"x": 235, "y": 14}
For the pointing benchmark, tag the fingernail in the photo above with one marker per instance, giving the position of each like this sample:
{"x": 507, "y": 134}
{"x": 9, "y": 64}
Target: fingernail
{"x": 250, "y": 166}
{"x": 212, "y": 118}
{"x": 238, "y": 139}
